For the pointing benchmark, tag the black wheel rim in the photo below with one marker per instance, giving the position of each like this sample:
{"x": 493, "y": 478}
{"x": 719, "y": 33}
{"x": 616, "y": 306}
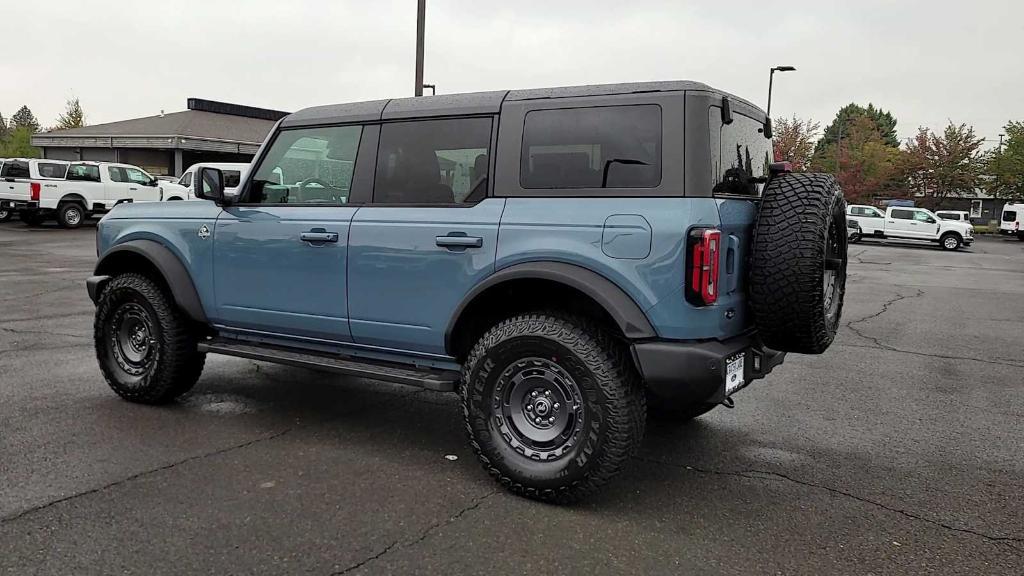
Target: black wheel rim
{"x": 538, "y": 408}
{"x": 835, "y": 266}
{"x": 132, "y": 339}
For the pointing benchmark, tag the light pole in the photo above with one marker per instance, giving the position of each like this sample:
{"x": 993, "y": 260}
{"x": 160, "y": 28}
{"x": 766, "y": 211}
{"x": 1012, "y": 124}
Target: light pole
{"x": 421, "y": 21}
{"x": 771, "y": 77}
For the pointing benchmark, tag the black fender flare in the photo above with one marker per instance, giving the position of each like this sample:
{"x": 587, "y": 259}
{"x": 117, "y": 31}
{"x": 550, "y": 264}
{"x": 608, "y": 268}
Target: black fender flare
{"x": 166, "y": 262}
{"x": 619, "y": 305}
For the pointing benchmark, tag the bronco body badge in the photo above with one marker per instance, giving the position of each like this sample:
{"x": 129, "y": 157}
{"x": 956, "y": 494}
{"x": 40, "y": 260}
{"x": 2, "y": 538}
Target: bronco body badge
{"x": 204, "y": 232}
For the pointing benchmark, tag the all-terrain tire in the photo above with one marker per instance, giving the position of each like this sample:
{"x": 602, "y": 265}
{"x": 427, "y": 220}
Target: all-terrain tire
{"x": 603, "y": 426}
{"x": 798, "y": 262}
{"x": 70, "y": 214}
{"x": 166, "y": 363}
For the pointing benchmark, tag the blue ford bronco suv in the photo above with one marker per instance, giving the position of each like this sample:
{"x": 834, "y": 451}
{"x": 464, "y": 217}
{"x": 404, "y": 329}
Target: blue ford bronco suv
{"x": 568, "y": 260}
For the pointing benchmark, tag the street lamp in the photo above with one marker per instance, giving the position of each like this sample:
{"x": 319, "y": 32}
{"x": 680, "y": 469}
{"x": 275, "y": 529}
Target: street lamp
{"x": 771, "y": 77}
{"x": 421, "y": 19}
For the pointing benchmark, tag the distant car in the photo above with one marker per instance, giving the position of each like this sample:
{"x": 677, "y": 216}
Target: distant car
{"x": 184, "y": 188}
{"x": 853, "y": 232}
{"x": 1012, "y": 220}
{"x": 910, "y": 223}
{"x": 70, "y": 192}
{"x": 957, "y": 215}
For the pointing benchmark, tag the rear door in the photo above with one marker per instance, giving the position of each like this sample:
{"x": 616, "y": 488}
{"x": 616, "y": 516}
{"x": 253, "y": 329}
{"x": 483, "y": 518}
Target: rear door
{"x": 429, "y": 235}
{"x": 115, "y": 185}
{"x": 740, "y": 154}
{"x": 281, "y": 253}
{"x": 899, "y": 222}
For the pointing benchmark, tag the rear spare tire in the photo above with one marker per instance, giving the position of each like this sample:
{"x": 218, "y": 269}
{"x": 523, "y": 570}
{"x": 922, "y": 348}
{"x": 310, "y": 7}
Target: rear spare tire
{"x": 798, "y": 262}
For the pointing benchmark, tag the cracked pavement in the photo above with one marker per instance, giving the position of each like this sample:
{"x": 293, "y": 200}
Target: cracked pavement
{"x": 895, "y": 452}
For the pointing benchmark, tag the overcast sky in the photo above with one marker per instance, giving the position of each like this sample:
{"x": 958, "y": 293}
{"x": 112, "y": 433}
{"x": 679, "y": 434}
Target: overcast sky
{"x": 926, "y": 62}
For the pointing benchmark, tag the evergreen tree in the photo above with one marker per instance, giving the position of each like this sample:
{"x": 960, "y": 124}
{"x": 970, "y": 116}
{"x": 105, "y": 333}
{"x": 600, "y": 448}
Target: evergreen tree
{"x": 73, "y": 116}
{"x": 24, "y": 118}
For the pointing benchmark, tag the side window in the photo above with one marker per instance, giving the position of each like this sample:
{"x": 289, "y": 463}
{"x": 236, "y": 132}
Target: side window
{"x": 433, "y": 161}
{"x": 903, "y": 214}
{"x": 117, "y": 174}
{"x": 186, "y": 180}
{"x": 596, "y": 147}
{"x": 14, "y": 169}
{"x": 306, "y": 166}
{"x": 52, "y": 170}
{"x": 923, "y": 217}
{"x": 740, "y": 154}
{"x": 857, "y": 211}
{"x": 136, "y": 176}
{"x": 84, "y": 172}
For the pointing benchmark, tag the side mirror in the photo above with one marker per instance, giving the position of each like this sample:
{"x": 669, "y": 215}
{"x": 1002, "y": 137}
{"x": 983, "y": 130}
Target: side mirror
{"x": 210, "y": 184}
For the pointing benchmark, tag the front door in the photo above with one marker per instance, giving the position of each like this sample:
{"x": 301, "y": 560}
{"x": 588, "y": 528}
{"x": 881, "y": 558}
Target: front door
{"x": 924, "y": 226}
{"x": 281, "y": 252}
{"x": 141, "y": 186}
{"x": 429, "y": 235}
{"x": 115, "y": 188}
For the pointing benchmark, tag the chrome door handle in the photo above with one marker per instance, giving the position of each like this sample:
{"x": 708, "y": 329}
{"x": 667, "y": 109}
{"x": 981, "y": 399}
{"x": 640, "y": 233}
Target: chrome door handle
{"x": 318, "y": 236}
{"x": 451, "y": 241}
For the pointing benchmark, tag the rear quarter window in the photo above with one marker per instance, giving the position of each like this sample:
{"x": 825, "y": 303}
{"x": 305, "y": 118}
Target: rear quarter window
{"x": 593, "y": 147}
{"x": 52, "y": 170}
{"x": 740, "y": 154}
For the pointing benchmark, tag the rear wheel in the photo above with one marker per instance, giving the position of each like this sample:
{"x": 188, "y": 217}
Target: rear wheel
{"x": 145, "y": 346}
{"x": 6, "y": 215}
{"x": 70, "y": 214}
{"x": 798, "y": 263}
{"x": 553, "y": 406}
{"x": 950, "y": 241}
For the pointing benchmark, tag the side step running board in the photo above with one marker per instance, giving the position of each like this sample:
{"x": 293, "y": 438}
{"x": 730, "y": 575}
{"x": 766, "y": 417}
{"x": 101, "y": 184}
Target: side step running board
{"x": 439, "y": 380}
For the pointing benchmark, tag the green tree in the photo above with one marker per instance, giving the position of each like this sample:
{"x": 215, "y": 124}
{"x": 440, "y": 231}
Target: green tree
{"x": 793, "y": 141}
{"x": 4, "y": 131}
{"x": 19, "y": 145}
{"x": 73, "y": 116}
{"x": 1005, "y": 166}
{"x": 884, "y": 122}
{"x": 24, "y": 118}
{"x": 947, "y": 165}
{"x": 864, "y": 163}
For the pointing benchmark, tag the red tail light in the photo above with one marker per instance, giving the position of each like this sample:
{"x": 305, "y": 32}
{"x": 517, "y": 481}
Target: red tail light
{"x": 35, "y": 187}
{"x": 702, "y": 262}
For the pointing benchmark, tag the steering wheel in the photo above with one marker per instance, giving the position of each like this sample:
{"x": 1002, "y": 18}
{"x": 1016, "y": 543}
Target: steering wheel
{"x": 308, "y": 181}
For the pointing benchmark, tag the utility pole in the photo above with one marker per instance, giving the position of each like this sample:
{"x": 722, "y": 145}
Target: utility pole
{"x": 421, "y": 20}
{"x": 1001, "y": 143}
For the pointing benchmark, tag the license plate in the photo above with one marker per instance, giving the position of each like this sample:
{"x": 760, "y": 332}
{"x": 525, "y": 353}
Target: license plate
{"x": 734, "y": 373}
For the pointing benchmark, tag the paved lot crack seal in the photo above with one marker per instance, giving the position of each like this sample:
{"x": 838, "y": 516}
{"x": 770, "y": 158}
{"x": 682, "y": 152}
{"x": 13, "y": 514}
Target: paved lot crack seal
{"x": 473, "y": 505}
{"x": 939, "y": 356}
{"x": 766, "y": 475}
{"x": 44, "y": 332}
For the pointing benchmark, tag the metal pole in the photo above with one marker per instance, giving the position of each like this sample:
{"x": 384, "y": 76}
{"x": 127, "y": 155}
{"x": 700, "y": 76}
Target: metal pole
{"x": 771, "y": 76}
{"x": 421, "y": 13}
{"x": 839, "y": 146}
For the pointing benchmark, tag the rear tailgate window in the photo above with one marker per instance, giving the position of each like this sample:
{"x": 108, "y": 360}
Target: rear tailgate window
{"x": 14, "y": 169}
{"x": 740, "y": 154}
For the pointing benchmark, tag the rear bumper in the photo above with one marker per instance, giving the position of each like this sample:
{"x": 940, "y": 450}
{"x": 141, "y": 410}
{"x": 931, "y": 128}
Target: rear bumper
{"x": 694, "y": 371}
{"x": 18, "y": 205}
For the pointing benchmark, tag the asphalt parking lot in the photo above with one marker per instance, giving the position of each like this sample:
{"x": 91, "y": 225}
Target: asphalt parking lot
{"x": 898, "y": 451}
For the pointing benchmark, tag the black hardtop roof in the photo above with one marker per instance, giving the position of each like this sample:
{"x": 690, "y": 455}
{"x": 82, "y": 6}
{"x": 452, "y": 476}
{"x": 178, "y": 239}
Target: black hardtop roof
{"x": 475, "y": 102}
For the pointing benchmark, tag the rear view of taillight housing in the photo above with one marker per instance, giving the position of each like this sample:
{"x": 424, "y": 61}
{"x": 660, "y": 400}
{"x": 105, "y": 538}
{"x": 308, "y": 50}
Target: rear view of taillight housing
{"x": 702, "y": 250}
{"x": 35, "y": 187}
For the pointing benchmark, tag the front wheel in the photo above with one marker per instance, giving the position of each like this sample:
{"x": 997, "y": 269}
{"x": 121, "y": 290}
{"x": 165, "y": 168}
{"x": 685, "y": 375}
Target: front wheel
{"x": 950, "y": 241}
{"x": 145, "y": 345}
{"x": 553, "y": 406}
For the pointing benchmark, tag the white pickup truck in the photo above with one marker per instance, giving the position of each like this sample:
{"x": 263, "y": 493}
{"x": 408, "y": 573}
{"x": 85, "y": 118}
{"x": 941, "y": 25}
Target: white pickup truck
{"x": 910, "y": 223}
{"x": 16, "y": 173}
{"x": 85, "y": 189}
{"x": 184, "y": 188}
